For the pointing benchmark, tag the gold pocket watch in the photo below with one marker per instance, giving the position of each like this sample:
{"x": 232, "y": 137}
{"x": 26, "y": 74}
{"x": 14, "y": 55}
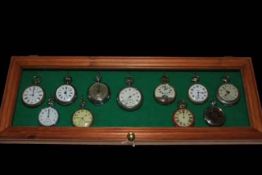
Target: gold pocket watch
{"x": 98, "y": 93}
{"x": 197, "y": 92}
{"x": 214, "y": 116}
{"x": 66, "y": 93}
{"x": 33, "y": 95}
{"x": 48, "y": 116}
{"x": 165, "y": 93}
{"x": 82, "y": 117}
{"x": 228, "y": 93}
{"x": 183, "y": 117}
{"x": 130, "y": 98}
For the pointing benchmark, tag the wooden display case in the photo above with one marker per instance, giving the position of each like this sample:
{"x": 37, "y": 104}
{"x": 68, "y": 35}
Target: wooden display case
{"x": 149, "y": 125}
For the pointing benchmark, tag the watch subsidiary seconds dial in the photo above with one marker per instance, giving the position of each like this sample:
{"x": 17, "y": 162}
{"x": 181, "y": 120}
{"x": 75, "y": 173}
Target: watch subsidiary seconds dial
{"x": 130, "y": 98}
{"x": 165, "y": 93}
{"x": 214, "y": 116}
{"x": 48, "y": 116}
{"x": 99, "y": 92}
{"x": 183, "y": 117}
{"x": 33, "y": 95}
{"x": 66, "y": 93}
{"x": 82, "y": 117}
{"x": 228, "y": 93}
{"x": 197, "y": 92}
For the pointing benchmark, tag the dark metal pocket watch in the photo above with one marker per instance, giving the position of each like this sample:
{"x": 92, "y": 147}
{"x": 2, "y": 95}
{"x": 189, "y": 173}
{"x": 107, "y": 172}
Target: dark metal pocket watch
{"x": 99, "y": 92}
{"x": 214, "y": 116}
{"x": 165, "y": 93}
{"x": 33, "y": 95}
{"x": 66, "y": 93}
{"x": 130, "y": 98}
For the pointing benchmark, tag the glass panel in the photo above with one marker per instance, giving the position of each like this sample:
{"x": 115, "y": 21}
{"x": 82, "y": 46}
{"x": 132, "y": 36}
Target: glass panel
{"x": 150, "y": 114}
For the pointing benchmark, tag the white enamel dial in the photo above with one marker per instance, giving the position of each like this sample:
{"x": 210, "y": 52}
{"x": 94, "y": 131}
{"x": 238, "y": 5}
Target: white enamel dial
{"x": 198, "y": 93}
{"x": 33, "y": 95}
{"x": 82, "y": 118}
{"x": 48, "y": 116}
{"x": 130, "y": 98}
{"x": 65, "y": 94}
{"x": 183, "y": 118}
{"x": 228, "y": 94}
{"x": 165, "y": 93}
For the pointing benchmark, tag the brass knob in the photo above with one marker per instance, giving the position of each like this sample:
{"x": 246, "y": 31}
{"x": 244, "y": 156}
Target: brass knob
{"x": 131, "y": 136}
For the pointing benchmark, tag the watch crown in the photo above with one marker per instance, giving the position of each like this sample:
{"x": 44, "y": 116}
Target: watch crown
{"x": 182, "y": 104}
{"x": 129, "y": 81}
{"x": 83, "y": 102}
{"x": 213, "y": 103}
{"x": 195, "y": 78}
{"x": 68, "y": 79}
{"x": 164, "y": 79}
{"x": 36, "y": 80}
{"x": 225, "y": 79}
{"x": 98, "y": 77}
{"x": 51, "y": 101}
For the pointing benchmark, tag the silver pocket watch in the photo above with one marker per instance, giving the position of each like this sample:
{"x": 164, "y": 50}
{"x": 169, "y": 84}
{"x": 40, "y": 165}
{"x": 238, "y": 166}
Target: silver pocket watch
{"x": 33, "y": 95}
{"x": 130, "y": 98}
{"x": 66, "y": 93}
{"x": 48, "y": 116}
{"x": 165, "y": 93}
{"x": 197, "y": 92}
{"x": 228, "y": 93}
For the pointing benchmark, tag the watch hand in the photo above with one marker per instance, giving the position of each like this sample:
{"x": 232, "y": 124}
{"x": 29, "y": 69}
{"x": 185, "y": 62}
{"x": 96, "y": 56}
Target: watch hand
{"x": 227, "y": 92}
{"x": 33, "y": 91}
{"x": 66, "y": 94}
{"x": 48, "y": 113}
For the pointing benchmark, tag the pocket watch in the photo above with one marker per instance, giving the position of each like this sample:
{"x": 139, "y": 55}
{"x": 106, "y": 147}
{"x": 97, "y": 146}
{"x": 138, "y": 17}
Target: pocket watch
{"x": 228, "y": 93}
{"x": 33, "y": 95}
{"x": 183, "y": 117}
{"x": 214, "y": 116}
{"x": 165, "y": 93}
{"x": 48, "y": 116}
{"x": 82, "y": 117}
{"x": 197, "y": 92}
{"x": 66, "y": 93}
{"x": 98, "y": 93}
{"x": 130, "y": 98}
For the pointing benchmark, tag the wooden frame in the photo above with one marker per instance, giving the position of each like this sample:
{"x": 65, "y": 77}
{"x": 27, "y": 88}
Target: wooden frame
{"x": 118, "y": 136}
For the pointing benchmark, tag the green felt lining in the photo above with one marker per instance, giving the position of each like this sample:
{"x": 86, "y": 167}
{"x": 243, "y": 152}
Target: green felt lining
{"x": 150, "y": 114}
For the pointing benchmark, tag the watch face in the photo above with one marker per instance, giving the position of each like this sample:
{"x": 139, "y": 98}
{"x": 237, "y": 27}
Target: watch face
{"x": 98, "y": 93}
{"x": 48, "y": 116}
{"x": 214, "y": 116}
{"x": 82, "y": 118}
{"x": 228, "y": 94}
{"x": 65, "y": 94}
{"x": 198, "y": 93}
{"x": 130, "y": 98}
{"x": 33, "y": 96}
{"x": 183, "y": 118}
{"x": 165, "y": 94}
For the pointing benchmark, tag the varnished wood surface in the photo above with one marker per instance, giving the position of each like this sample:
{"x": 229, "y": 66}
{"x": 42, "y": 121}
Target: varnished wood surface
{"x": 103, "y": 62}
